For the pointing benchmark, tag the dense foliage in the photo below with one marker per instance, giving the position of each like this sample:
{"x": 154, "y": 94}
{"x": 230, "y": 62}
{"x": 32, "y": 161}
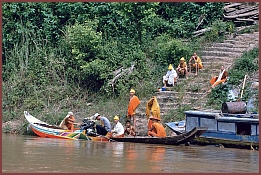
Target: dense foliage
{"x": 59, "y": 55}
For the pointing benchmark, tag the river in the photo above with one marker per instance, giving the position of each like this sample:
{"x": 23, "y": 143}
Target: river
{"x": 31, "y": 154}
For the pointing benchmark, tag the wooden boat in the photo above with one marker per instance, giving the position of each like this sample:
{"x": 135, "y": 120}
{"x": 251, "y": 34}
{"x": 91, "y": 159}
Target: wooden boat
{"x": 43, "y": 129}
{"x": 173, "y": 140}
{"x": 228, "y": 130}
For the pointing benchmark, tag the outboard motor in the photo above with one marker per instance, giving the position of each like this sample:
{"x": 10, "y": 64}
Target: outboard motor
{"x": 88, "y": 126}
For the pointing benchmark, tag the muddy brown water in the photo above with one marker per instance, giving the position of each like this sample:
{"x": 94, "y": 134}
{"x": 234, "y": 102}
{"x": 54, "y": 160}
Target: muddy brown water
{"x": 21, "y": 154}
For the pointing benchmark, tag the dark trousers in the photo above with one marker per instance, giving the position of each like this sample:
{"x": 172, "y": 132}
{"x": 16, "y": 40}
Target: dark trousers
{"x": 101, "y": 130}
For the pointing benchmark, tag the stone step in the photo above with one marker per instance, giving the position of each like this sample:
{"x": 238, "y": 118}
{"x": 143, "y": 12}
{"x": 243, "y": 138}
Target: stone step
{"x": 215, "y": 67}
{"x": 175, "y": 102}
{"x": 240, "y": 42}
{"x": 254, "y": 35}
{"x": 246, "y": 38}
{"x": 162, "y": 110}
{"x": 225, "y": 49}
{"x": 230, "y": 45}
{"x": 220, "y": 54}
{"x": 218, "y": 59}
{"x": 171, "y": 102}
{"x": 172, "y": 94}
{"x": 142, "y": 115}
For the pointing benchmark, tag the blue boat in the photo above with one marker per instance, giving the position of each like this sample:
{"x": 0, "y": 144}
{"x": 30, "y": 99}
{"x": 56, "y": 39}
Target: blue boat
{"x": 228, "y": 130}
{"x": 177, "y": 127}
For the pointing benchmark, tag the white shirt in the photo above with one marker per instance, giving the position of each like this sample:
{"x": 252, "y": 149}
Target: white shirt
{"x": 118, "y": 129}
{"x": 170, "y": 76}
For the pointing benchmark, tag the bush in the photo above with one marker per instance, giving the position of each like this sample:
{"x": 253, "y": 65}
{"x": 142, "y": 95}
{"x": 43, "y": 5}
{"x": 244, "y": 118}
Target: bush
{"x": 244, "y": 65}
{"x": 217, "y": 32}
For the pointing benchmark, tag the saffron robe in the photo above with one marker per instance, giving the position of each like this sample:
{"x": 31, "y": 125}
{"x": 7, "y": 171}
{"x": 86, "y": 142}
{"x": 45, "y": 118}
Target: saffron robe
{"x": 133, "y": 104}
{"x": 158, "y": 131}
{"x": 152, "y": 108}
{"x": 220, "y": 79}
{"x": 67, "y": 122}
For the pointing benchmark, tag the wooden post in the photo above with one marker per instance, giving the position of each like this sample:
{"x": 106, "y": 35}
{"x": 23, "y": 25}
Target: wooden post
{"x": 243, "y": 87}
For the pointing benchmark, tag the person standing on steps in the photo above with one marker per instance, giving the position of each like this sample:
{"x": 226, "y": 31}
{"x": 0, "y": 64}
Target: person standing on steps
{"x": 133, "y": 104}
{"x": 182, "y": 68}
{"x": 152, "y": 109}
{"x": 195, "y": 62}
{"x": 171, "y": 77}
{"x": 221, "y": 78}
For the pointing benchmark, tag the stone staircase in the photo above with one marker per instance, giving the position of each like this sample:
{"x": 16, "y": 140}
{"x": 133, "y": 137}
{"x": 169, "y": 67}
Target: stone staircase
{"x": 192, "y": 92}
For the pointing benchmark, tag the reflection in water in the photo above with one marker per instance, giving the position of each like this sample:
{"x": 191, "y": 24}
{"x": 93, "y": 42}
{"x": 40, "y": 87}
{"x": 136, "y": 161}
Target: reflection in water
{"x": 156, "y": 155}
{"x": 131, "y": 156}
{"x": 34, "y": 154}
{"x": 117, "y": 149}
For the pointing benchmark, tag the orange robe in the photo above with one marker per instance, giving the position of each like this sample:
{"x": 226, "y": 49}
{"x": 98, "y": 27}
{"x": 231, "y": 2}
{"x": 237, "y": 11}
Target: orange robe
{"x": 152, "y": 107}
{"x": 134, "y": 103}
{"x": 214, "y": 81}
{"x": 198, "y": 60}
{"x": 69, "y": 122}
{"x": 158, "y": 131}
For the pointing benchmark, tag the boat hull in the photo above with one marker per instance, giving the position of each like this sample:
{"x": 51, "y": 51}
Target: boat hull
{"x": 239, "y": 131}
{"x": 174, "y": 140}
{"x": 43, "y": 129}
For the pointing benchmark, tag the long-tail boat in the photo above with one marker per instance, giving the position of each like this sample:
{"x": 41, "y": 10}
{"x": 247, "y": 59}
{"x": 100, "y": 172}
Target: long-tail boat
{"x": 43, "y": 129}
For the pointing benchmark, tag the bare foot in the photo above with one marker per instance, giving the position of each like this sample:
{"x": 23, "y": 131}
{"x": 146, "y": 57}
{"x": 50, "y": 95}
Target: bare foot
{"x": 196, "y": 74}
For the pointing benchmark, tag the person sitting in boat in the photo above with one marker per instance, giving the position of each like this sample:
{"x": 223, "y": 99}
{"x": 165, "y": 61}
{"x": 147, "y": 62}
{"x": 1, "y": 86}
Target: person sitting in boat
{"x": 222, "y": 78}
{"x": 68, "y": 121}
{"x": 152, "y": 108}
{"x": 195, "y": 62}
{"x": 182, "y": 68}
{"x": 171, "y": 77}
{"x": 105, "y": 125}
{"x": 118, "y": 129}
{"x": 129, "y": 130}
{"x": 157, "y": 129}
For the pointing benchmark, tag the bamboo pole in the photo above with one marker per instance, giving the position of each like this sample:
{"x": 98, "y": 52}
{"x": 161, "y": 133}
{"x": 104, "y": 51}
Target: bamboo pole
{"x": 243, "y": 87}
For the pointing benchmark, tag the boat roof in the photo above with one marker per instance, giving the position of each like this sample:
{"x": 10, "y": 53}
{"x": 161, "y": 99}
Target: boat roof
{"x": 222, "y": 116}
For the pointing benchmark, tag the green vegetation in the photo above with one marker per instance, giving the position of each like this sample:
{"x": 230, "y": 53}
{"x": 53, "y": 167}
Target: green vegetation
{"x": 62, "y": 56}
{"x": 245, "y": 65}
{"x": 218, "y": 31}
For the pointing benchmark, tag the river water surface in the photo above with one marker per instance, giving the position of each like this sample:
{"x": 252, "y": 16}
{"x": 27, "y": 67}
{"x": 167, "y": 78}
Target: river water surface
{"x": 43, "y": 155}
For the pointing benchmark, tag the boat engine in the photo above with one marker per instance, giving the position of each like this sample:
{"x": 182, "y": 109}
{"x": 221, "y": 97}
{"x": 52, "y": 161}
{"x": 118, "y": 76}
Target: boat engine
{"x": 88, "y": 126}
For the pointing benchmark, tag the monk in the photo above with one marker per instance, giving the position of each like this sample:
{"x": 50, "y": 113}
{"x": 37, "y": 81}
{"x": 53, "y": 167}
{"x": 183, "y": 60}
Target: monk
{"x": 222, "y": 78}
{"x": 152, "y": 109}
{"x": 182, "y": 68}
{"x": 171, "y": 77}
{"x": 196, "y": 62}
{"x": 68, "y": 121}
{"x": 133, "y": 104}
{"x": 157, "y": 129}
